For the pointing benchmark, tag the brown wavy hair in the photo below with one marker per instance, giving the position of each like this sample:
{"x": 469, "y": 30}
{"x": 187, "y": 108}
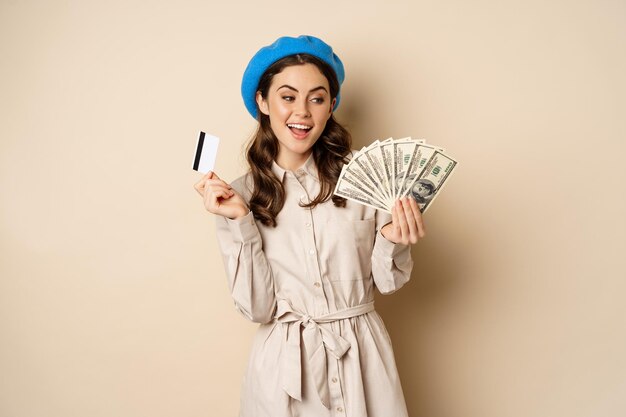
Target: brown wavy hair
{"x": 329, "y": 151}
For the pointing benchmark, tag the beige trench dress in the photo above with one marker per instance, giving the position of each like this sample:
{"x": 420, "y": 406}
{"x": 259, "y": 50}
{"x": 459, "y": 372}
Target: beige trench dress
{"x": 321, "y": 349}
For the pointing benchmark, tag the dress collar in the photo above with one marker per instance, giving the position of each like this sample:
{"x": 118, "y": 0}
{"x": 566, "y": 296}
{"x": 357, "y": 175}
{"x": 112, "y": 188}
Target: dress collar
{"x": 308, "y": 167}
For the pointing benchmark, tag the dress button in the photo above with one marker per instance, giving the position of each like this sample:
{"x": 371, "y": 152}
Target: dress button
{"x": 340, "y": 409}
{"x": 312, "y": 252}
{"x": 334, "y": 379}
{"x": 317, "y": 284}
{"x": 308, "y": 224}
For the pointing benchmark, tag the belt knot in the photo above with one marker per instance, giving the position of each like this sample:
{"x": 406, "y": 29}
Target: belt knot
{"x": 318, "y": 339}
{"x": 306, "y": 319}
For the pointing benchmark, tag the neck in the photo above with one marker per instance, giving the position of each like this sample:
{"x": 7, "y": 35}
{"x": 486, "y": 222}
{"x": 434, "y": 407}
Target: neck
{"x": 292, "y": 162}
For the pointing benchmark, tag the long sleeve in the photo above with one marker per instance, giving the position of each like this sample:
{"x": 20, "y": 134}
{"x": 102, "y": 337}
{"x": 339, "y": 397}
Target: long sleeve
{"x": 249, "y": 275}
{"x": 391, "y": 262}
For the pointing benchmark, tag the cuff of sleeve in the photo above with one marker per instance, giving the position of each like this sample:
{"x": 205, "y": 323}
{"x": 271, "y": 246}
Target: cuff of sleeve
{"x": 386, "y": 248}
{"x": 243, "y": 228}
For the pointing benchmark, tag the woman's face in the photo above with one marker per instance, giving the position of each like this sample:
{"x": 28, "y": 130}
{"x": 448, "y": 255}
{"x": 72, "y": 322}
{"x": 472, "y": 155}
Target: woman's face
{"x": 298, "y": 104}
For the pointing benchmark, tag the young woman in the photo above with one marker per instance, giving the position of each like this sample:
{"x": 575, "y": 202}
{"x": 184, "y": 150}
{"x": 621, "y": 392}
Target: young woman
{"x": 302, "y": 262}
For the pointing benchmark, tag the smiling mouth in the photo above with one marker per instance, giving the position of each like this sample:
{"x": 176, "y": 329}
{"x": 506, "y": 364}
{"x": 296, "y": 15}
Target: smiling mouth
{"x": 299, "y": 126}
{"x": 298, "y": 129}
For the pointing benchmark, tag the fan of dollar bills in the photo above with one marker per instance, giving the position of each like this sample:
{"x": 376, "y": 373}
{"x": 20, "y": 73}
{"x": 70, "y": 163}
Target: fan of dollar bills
{"x": 386, "y": 170}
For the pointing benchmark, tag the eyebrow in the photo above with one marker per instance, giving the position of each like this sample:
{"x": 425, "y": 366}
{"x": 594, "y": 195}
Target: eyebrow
{"x": 321, "y": 87}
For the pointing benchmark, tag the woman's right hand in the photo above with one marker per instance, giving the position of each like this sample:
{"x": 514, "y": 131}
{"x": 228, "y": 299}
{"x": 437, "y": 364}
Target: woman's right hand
{"x": 220, "y": 198}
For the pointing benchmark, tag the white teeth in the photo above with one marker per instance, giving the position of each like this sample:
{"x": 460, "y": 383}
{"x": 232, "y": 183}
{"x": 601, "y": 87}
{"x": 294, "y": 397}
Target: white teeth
{"x": 298, "y": 126}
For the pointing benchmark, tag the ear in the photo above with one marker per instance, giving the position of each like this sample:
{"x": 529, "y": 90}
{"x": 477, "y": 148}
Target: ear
{"x": 332, "y": 107}
{"x": 262, "y": 103}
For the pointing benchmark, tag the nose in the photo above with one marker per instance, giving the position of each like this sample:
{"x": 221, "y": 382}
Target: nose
{"x": 302, "y": 109}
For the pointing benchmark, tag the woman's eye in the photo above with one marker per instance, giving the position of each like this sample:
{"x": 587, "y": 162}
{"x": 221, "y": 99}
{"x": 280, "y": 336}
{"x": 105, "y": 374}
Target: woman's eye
{"x": 288, "y": 98}
{"x": 318, "y": 100}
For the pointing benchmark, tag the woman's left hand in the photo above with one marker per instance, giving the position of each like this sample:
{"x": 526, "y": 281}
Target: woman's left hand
{"x": 406, "y": 224}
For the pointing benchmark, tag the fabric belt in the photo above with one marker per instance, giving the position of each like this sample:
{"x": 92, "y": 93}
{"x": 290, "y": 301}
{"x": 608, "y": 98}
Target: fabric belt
{"x": 317, "y": 340}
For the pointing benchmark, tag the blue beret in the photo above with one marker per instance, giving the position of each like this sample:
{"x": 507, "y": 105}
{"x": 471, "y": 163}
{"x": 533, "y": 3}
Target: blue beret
{"x": 281, "y": 48}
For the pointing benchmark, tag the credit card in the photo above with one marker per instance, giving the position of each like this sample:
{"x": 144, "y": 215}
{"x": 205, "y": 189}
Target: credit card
{"x": 206, "y": 152}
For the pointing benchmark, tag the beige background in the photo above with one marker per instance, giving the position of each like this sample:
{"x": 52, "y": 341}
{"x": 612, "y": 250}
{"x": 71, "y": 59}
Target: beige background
{"x": 113, "y": 299}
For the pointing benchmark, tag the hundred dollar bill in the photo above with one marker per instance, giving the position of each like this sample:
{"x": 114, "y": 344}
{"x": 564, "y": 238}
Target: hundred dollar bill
{"x": 353, "y": 191}
{"x": 426, "y": 186}
{"x": 361, "y": 161}
{"x": 347, "y": 181}
{"x": 420, "y": 155}
{"x": 360, "y": 171}
{"x": 374, "y": 157}
{"x": 402, "y": 152}
{"x": 362, "y": 185}
{"x": 386, "y": 151}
